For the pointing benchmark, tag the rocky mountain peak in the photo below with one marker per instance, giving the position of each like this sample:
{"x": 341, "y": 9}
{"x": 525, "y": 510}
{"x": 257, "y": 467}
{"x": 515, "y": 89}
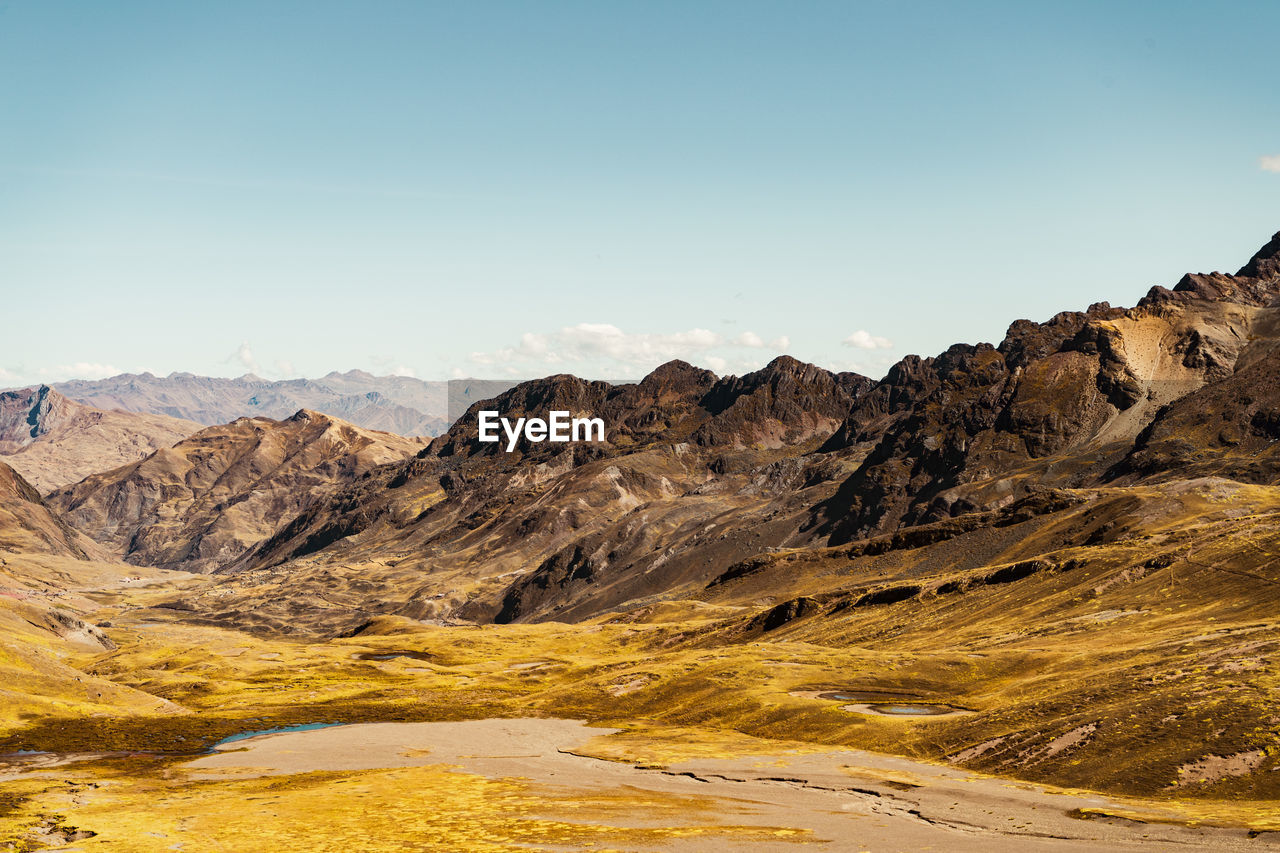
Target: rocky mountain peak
{"x": 29, "y": 413}
{"x": 794, "y": 368}
{"x": 1266, "y": 262}
{"x": 678, "y": 376}
{"x": 207, "y": 499}
{"x": 307, "y": 416}
{"x": 1257, "y": 283}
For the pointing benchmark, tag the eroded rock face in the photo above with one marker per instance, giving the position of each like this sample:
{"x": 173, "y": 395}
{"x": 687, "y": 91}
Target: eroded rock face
{"x": 1228, "y": 429}
{"x": 786, "y": 402}
{"x": 694, "y": 471}
{"x": 205, "y": 501}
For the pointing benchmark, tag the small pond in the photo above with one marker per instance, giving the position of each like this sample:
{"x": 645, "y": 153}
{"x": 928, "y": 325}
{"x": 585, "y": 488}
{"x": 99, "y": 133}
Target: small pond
{"x": 890, "y": 705}
{"x": 392, "y": 654}
{"x": 306, "y": 727}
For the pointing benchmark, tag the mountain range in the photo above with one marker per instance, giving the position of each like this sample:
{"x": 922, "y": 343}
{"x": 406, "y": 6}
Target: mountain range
{"x": 700, "y": 473}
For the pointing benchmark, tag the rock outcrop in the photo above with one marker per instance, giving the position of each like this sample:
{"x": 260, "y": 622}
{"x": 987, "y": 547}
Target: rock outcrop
{"x": 975, "y": 426}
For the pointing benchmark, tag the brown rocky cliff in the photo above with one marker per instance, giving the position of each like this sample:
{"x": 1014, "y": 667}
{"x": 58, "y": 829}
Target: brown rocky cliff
{"x": 683, "y": 446}
{"x": 785, "y": 402}
{"x": 942, "y": 431}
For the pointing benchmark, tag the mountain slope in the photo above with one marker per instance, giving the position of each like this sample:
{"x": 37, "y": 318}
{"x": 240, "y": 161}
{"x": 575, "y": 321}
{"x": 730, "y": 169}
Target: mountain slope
{"x": 45, "y": 570}
{"x": 29, "y": 526}
{"x": 205, "y": 501}
{"x": 1063, "y": 547}
{"x": 54, "y": 441}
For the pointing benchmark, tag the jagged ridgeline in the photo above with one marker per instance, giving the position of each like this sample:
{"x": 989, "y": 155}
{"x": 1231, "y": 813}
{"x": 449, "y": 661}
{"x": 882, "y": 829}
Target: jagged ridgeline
{"x": 700, "y": 473}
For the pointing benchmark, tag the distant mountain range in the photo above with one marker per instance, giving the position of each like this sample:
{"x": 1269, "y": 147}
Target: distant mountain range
{"x": 398, "y": 404}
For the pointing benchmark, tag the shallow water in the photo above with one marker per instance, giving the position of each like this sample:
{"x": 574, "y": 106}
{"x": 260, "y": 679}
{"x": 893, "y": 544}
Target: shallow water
{"x": 890, "y": 705}
{"x": 305, "y": 727}
{"x": 391, "y": 655}
{"x": 859, "y": 696}
{"x": 36, "y": 759}
{"x": 912, "y": 710}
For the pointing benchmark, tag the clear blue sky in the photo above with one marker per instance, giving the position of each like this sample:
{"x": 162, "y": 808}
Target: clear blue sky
{"x": 481, "y": 188}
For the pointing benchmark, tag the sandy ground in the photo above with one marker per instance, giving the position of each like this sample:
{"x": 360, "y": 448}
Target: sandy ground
{"x": 849, "y": 800}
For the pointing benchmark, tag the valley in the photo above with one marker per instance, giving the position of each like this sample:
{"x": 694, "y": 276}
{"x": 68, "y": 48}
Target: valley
{"x": 1018, "y": 596}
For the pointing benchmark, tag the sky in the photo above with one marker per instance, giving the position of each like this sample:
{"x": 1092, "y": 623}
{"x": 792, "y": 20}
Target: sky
{"x": 526, "y": 188}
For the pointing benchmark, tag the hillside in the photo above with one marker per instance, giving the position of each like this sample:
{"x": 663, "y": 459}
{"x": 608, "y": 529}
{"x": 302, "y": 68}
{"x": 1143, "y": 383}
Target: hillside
{"x": 54, "y": 441}
{"x": 29, "y": 526}
{"x": 202, "y": 503}
{"x": 450, "y": 532}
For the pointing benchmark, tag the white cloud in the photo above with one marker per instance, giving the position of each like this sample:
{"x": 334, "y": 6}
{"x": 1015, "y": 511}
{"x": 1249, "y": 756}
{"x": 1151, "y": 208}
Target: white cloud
{"x": 751, "y": 339}
{"x": 1270, "y": 164}
{"x": 602, "y": 341}
{"x": 78, "y": 370}
{"x": 605, "y": 350}
{"x": 403, "y": 370}
{"x": 244, "y": 356}
{"x": 862, "y": 339}
{"x": 21, "y": 376}
{"x": 286, "y": 370}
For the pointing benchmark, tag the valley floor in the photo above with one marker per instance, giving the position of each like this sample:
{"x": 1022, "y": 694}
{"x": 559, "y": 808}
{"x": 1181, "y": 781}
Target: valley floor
{"x": 504, "y": 784}
{"x": 473, "y": 738}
